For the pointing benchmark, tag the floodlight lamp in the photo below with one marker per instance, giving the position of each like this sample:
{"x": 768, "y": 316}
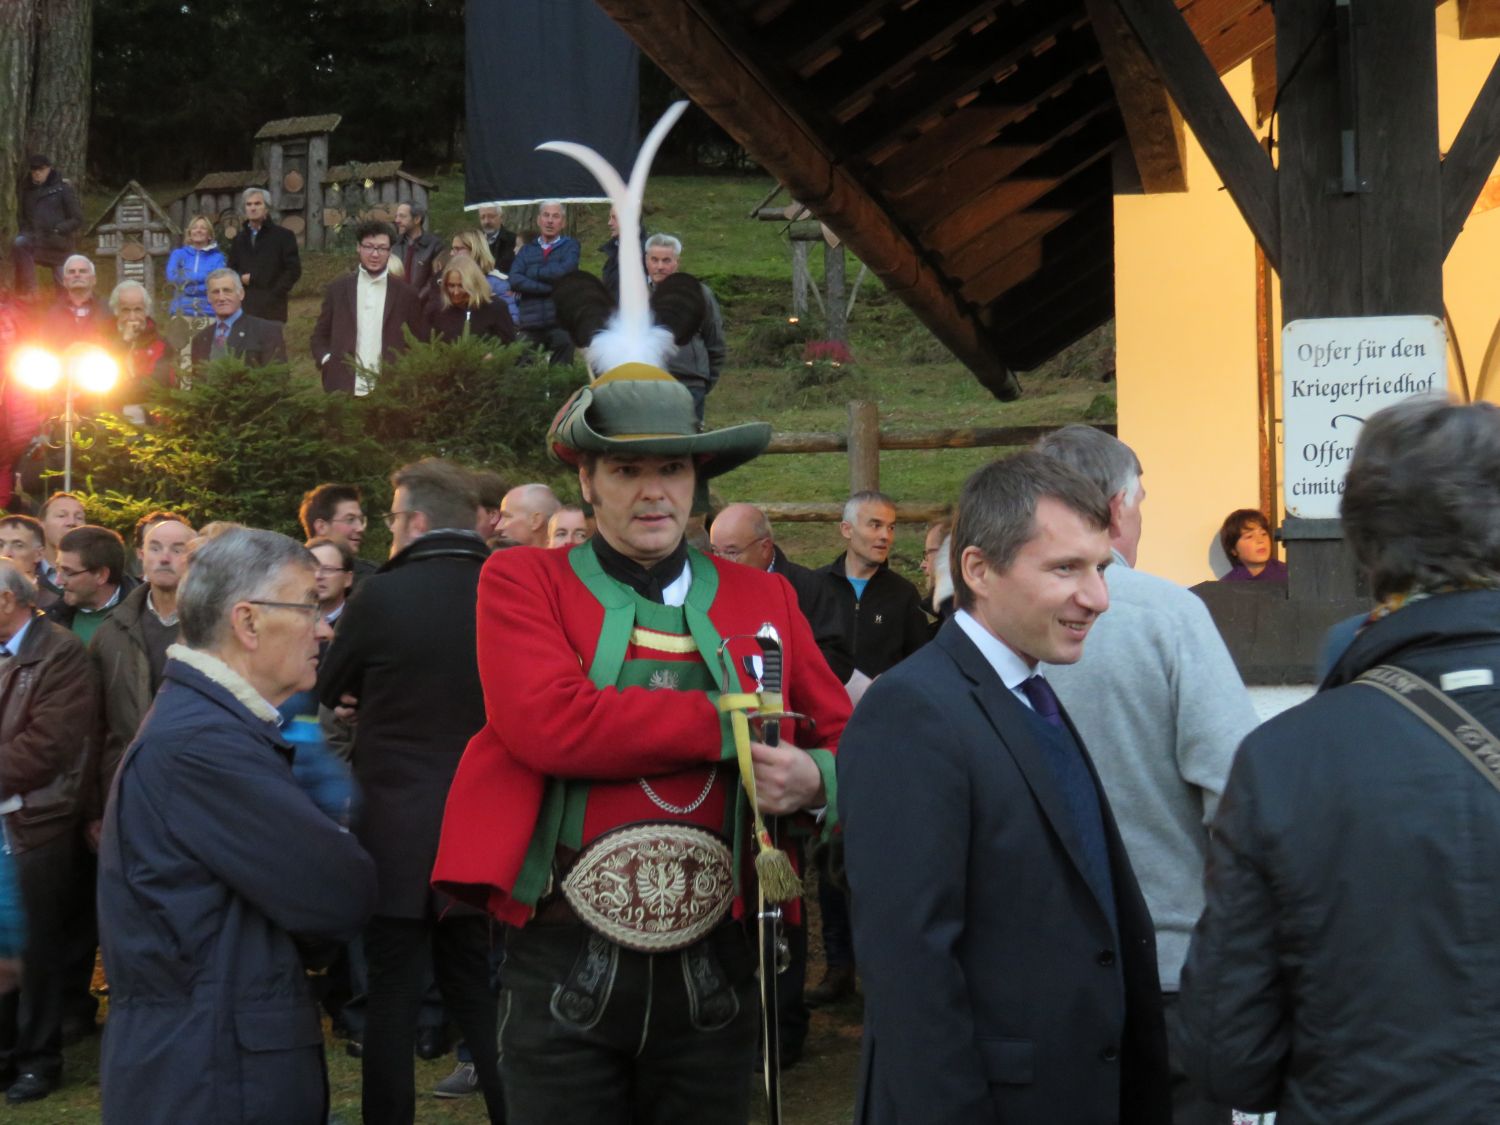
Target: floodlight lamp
{"x": 95, "y": 370}
{"x": 36, "y": 368}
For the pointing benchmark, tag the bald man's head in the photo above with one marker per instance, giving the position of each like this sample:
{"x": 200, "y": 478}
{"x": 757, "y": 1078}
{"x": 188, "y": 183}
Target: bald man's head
{"x": 742, "y": 534}
{"x": 524, "y": 514}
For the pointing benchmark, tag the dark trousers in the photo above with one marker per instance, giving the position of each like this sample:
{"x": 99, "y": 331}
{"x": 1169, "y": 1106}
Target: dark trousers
{"x": 1189, "y": 1106}
{"x": 833, "y": 905}
{"x": 80, "y": 936}
{"x": 554, "y": 341}
{"x": 593, "y": 1032}
{"x": 790, "y": 986}
{"x": 31, "y": 1019}
{"x": 26, "y": 253}
{"x": 353, "y": 1009}
{"x": 396, "y": 953}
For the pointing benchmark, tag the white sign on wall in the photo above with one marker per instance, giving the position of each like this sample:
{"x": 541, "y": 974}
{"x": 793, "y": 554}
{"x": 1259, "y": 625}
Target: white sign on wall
{"x": 1335, "y": 374}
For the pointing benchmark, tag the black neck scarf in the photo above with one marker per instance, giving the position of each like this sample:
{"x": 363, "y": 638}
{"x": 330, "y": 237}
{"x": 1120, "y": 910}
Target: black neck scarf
{"x": 648, "y": 582}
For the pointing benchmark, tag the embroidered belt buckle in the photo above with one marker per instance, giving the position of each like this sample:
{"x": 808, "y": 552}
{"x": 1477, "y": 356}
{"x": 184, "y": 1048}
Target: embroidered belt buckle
{"x": 655, "y": 887}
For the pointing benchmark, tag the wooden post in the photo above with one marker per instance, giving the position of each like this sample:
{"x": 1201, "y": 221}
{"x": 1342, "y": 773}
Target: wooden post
{"x": 833, "y": 305}
{"x": 864, "y": 446}
{"x": 317, "y": 168}
{"x": 799, "y": 278}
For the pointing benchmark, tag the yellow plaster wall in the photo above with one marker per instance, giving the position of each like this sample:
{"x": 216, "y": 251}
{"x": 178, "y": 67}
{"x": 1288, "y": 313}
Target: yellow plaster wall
{"x": 1185, "y": 359}
{"x": 1185, "y": 328}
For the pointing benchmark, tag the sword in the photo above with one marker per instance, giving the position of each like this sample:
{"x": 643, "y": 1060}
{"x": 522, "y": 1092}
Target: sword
{"x": 768, "y": 914}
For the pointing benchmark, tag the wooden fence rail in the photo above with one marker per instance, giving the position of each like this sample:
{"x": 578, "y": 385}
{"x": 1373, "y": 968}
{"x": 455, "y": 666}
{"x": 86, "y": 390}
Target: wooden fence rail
{"x": 864, "y": 440}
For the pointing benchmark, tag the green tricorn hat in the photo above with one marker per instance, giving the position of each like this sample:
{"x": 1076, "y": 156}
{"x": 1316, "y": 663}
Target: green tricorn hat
{"x": 637, "y": 408}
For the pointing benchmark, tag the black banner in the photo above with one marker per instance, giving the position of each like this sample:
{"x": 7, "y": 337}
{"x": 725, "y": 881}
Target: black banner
{"x": 545, "y": 70}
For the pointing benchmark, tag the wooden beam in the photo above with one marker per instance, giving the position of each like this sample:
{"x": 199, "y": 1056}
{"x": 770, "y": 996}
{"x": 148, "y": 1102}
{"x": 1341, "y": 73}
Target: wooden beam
{"x": 931, "y": 153}
{"x": 898, "y": 48}
{"x": 1085, "y": 189}
{"x": 1478, "y": 19}
{"x": 696, "y": 54}
{"x": 1152, "y": 123}
{"x": 967, "y": 68}
{"x": 975, "y": 174}
{"x": 968, "y": 223}
{"x": 963, "y": 437}
{"x": 1221, "y": 130}
{"x": 1263, "y": 79}
{"x": 1037, "y": 347}
{"x": 1472, "y": 158}
{"x": 1071, "y": 245}
{"x": 1053, "y": 288}
{"x": 815, "y": 42}
{"x": 1238, "y": 42}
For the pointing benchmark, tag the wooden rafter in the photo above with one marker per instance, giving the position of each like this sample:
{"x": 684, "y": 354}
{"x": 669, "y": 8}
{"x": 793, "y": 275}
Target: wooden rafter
{"x": 1071, "y": 246}
{"x": 834, "y": 22}
{"x": 1472, "y": 158}
{"x": 1478, "y": 19}
{"x": 1216, "y": 120}
{"x": 1152, "y": 123}
{"x": 699, "y": 57}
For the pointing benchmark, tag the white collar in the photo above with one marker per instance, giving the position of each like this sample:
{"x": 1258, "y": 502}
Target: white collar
{"x": 675, "y": 592}
{"x": 1008, "y": 665}
{"x": 227, "y": 678}
{"x": 13, "y": 645}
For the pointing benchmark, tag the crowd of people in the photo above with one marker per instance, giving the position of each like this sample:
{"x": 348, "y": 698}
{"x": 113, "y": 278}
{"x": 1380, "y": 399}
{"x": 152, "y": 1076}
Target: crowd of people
{"x": 536, "y": 778}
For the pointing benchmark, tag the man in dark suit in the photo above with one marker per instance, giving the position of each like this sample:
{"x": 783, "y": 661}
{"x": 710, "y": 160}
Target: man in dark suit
{"x": 1007, "y": 954}
{"x": 405, "y": 647}
{"x": 364, "y": 315}
{"x": 265, "y": 257}
{"x": 234, "y": 331}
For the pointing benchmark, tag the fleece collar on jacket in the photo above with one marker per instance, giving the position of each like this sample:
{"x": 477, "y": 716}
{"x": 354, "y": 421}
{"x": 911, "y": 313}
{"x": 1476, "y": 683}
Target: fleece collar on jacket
{"x": 217, "y": 671}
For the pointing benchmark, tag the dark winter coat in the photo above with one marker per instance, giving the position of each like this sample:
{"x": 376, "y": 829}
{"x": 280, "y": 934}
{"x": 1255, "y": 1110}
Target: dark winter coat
{"x": 274, "y": 265}
{"x": 884, "y": 626}
{"x": 212, "y": 861}
{"x": 491, "y": 319}
{"x": 533, "y": 274}
{"x": 1345, "y": 967}
{"x": 48, "y": 719}
{"x": 51, "y": 213}
{"x": 418, "y": 262}
{"x": 123, "y": 667}
{"x": 405, "y": 648}
{"x": 816, "y": 601}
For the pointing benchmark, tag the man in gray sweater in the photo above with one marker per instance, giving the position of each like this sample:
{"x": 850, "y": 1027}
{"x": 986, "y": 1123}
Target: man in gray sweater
{"x": 1162, "y": 708}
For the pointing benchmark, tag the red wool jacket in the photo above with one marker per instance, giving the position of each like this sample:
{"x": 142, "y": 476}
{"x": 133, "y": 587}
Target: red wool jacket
{"x": 538, "y": 629}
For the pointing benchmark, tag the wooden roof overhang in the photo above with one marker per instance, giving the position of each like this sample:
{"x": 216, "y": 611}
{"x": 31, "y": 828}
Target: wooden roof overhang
{"x": 965, "y": 150}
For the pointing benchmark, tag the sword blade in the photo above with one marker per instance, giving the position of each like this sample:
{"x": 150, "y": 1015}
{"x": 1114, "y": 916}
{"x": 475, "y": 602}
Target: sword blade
{"x": 770, "y": 1007}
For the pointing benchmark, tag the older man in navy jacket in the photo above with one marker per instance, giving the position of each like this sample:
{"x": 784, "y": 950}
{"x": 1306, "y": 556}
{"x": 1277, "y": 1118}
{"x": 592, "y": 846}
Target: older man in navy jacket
{"x": 216, "y": 869}
{"x": 1007, "y": 954}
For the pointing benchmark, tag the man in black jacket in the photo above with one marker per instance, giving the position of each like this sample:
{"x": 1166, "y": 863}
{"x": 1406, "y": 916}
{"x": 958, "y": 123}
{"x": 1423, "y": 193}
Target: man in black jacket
{"x": 50, "y": 218}
{"x": 883, "y": 623}
{"x": 234, "y": 331}
{"x": 416, "y": 248}
{"x": 1343, "y": 968}
{"x": 405, "y": 647}
{"x": 266, "y": 258}
{"x": 500, "y": 238}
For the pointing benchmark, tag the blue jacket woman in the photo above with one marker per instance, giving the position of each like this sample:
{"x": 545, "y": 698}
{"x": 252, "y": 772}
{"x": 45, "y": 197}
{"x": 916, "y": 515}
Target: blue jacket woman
{"x": 188, "y": 268}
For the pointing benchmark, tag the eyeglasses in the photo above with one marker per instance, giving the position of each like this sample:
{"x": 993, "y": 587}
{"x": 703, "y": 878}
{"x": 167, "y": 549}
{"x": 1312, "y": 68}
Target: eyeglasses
{"x": 352, "y": 521}
{"x": 330, "y": 571}
{"x": 370, "y": 248}
{"x": 391, "y": 518}
{"x": 732, "y": 553}
{"x": 305, "y": 607}
{"x": 69, "y": 572}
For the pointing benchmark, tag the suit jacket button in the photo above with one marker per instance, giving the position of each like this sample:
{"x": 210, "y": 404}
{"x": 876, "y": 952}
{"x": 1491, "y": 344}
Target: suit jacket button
{"x": 1109, "y": 1054}
{"x": 1106, "y": 958}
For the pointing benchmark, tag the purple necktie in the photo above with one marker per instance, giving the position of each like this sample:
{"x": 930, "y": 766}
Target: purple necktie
{"x": 1043, "y": 699}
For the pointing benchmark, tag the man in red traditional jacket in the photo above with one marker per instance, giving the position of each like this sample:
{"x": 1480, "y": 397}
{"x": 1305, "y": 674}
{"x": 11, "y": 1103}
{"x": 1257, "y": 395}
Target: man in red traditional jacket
{"x": 600, "y": 811}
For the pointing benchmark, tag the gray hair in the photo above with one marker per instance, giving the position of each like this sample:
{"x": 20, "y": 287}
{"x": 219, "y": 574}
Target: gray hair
{"x": 1105, "y": 460}
{"x": 859, "y": 499}
{"x": 114, "y": 295}
{"x": 671, "y": 242}
{"x": 18, "y": 582}
{"x": 418, "y": 212}
{"x": 445, "y": 493}
{"x": 84, "y": 258}
{"x": 260, "y": 191}
{"x": 997, "y": 510}
{"x": 239, "y": 565}
{"x": 558, "y": 203}
{"x": 239, "y": 286}
{"x": 1421, "y": 504}
{"x": 538, "y": 498}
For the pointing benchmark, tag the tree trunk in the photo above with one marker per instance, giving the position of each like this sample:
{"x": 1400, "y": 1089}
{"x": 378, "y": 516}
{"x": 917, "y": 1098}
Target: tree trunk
{"x": 17, "y": 36}
{"x": 59, "y": 120}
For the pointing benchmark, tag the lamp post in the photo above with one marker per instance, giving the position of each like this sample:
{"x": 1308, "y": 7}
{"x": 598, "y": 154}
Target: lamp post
{"x": 83, "y": 366}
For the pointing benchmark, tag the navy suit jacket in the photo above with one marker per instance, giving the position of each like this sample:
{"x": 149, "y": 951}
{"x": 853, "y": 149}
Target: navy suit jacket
{"x": 996, "y": 989}
{"x": 258, "y": 342}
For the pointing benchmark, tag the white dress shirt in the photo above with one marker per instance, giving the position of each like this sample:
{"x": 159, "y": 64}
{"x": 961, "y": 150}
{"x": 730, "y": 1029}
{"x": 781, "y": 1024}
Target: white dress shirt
{"x": 369, "y": 318}
{"x": 1008, "y": 665}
